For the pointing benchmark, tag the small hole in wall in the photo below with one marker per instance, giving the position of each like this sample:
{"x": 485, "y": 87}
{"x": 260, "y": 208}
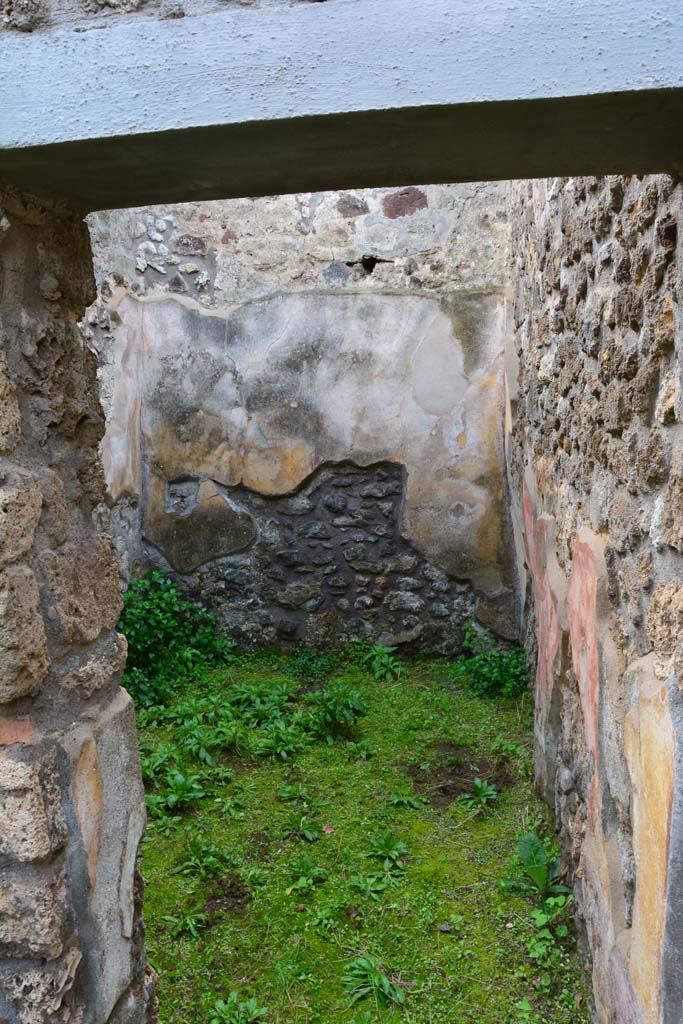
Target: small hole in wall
{"x": 368, "y": 263}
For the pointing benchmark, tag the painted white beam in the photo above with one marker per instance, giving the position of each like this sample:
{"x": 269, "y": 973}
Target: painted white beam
{"x": 315, "y": 95}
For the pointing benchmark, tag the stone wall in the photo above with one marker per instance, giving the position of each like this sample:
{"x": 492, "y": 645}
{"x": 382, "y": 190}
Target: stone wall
{"x": 71, "y": 799}
{"x": 596, "y": 463}
{"x": 252, "y": 408}
{"x": 254, "y": 351}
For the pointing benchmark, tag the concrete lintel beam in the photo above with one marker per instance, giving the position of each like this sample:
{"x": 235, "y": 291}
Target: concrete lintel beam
{"x": 309, "y": 96}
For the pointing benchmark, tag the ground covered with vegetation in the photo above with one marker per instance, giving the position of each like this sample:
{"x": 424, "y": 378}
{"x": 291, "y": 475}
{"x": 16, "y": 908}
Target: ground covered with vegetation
{"x": 343, "y": 838}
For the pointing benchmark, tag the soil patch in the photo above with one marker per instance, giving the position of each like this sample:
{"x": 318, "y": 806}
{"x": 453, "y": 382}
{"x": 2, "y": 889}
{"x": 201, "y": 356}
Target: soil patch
{"x": 228, "y": 895}
{"x": 259, "y": 843}
{"x": 452, "y": 770}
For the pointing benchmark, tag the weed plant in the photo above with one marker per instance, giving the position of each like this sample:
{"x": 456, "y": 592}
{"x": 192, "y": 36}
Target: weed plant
{"x": 487, "y": 669}
{"x": 169, "y": 638}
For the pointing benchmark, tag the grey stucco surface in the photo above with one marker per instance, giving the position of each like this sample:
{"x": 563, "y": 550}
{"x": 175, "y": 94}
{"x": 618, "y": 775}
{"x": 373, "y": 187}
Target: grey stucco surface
{"x": 245, "y": 64}
{"x": 357, "y": 92}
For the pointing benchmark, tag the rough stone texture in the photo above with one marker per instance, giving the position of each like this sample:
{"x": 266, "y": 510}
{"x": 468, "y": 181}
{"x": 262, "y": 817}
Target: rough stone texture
{"x": 225, "y": 253}
{"x": 23, "y": 645}
{"x": 70, "y": 931}
{"x": 31, "y": 823}
{"x": 595, "y": 422}
{"x": 32, "y": 916}
{"x": 20, "y": 507}
{"x": 594, "y": 417}
{"x": 247, "y": 345}
{"x": 329, "y": 562}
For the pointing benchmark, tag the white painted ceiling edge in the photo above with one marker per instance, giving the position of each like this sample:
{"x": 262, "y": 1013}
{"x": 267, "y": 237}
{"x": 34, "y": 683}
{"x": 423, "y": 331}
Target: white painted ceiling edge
{"x": 143, "y": 74}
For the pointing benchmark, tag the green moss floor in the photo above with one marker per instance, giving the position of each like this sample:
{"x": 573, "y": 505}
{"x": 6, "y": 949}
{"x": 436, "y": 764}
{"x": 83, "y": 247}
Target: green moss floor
{"x": 272, "y": 892}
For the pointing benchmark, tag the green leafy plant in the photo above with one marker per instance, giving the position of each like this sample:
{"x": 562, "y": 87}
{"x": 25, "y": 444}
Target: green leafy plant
{"x": 310, "y": 665}
{"x": 293, "y": 793}
{"x": 504, "y": 747}
{"x": 278, "y": 739}
{"x": 188, "y": 923}
{"x": 199, "y": 740}
{"x": 181, "y": 790}
{"x": 153, "y": 762}
{"x": 370, "y": 887}
{"x": 233, "y": 1010}
{"x": 231, "y": 807}
{"x": 253, "y": 876}
{"x": 262, "y": 703}
{"x": 326, "y": 918}
{"x": 488, "y": 670}
{"x": 362, "y": 750}
{"x": 407, "y": 800}
{"x": 306, "y": 874}
{"x": 168, "y": 638}
{"x": 204, "y": 860}
{"x": 335, "y": 711}
{"x": 543, "y": 945}
{"x": 382, "y": 663}
{"x": 302, "y": 828}
{"x": 525, "y": 1013}
{"x": 365, "y": 977}
{"x": 390, "y": 850}
{"x": 482, "y": 794}
{"x": 542, "y": 869}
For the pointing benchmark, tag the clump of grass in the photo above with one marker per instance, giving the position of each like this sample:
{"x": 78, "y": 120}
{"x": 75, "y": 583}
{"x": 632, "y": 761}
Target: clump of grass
{"x": 365, "y": 977}
{"x": 233, "y": 1010}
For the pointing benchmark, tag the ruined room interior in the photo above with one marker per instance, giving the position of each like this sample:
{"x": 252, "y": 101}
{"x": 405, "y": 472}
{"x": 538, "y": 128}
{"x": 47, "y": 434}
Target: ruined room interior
{"x": 388, "y": 439}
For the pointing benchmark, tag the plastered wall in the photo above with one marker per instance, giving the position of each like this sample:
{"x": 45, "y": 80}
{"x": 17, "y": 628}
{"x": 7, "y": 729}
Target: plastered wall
{"x": 251, "y": 349}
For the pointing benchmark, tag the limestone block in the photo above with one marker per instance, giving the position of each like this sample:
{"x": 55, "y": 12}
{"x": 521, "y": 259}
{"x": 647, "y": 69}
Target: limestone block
{"x": 20, "y": 506}
{"x": 672, "y": 507}
{"x": 23, "y": 646}
{"x": 32, "y": 915}
{"x": 108, "y": 800}
{"x": 99, "y": 668}
{"x": 10, "y": 416}
{"x": 664, "y": 327}
{"x": 41, "y": 995}
{"x": 652, "y": 462}
{"x": 55, "y": 514}
{"x": 665, "y": 622}
{"x": 295, "y": 595}
{"x": 85, "y": 588}
{"x": 668, "y": 399}
{"x": 31, "y": 826}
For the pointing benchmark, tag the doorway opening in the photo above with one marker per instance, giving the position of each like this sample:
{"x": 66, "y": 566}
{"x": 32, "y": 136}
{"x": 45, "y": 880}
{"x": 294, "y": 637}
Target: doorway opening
{"x": 305, "y": 401}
